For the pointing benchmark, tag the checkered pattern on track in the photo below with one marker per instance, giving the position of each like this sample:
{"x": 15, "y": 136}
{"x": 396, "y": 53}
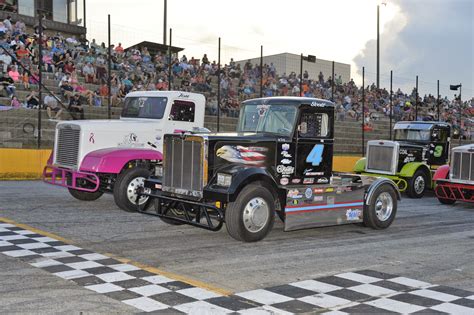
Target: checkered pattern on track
{"x": 364, "y": 291}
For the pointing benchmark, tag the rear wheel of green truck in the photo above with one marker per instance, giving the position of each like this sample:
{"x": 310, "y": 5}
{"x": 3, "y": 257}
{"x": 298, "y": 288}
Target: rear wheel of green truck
{"x": 126, "y": 186}
{"x": 251, "y": 216}
{"x": 85, "y": 195}
{"x": 417, "y": 184}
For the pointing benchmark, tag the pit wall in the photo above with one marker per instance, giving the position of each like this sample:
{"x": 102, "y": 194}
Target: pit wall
{"x": 23, "y": 164}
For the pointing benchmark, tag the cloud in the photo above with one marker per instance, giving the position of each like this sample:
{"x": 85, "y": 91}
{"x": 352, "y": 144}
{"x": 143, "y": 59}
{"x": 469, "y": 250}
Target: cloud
{"x": 433, "y": 39}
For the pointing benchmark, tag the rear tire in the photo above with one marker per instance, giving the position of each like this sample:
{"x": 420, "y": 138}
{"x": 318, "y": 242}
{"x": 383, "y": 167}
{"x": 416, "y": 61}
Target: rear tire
{"x": 125, "y": 188}
{"x": 382, "y": 209}
{"x": 251, "y": 216}
{"x": 417, "y": 184}
{"x": 85, "y": 195}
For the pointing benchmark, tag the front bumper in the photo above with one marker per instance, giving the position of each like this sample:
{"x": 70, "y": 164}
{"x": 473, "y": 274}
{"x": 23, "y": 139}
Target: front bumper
{"x": 446, "y": 189}
{"x": 401, "y": 182}
{"x": 196, "y": 213}
{"x": 71, "y": 179}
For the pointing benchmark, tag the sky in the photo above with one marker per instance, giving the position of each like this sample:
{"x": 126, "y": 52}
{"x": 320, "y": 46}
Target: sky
{"x": 433, "y": 39}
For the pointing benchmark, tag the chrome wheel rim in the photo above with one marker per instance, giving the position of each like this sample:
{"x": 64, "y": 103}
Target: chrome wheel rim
{"x": 255, "y": 214}
{"x": 419, "y": 184}
{"x": 132, "y": 190}
{"x": 384, "y": 206}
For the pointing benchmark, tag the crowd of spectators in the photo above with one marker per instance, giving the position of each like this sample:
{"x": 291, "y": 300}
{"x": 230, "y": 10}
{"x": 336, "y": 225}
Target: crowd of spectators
{"x": 79, "y": 68}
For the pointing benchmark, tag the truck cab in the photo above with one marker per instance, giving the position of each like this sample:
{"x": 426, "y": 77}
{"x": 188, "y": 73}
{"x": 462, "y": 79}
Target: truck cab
{"x": 91, "y": 157}
{"x": 417, "y": 150}
{"x": 279, "y": 161}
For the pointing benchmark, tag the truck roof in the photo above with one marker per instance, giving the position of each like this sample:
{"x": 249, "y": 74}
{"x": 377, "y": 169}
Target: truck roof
{"x": 170, "y": 94}
{"x": 420, "y": 124}
{"x": 290, "y": 100}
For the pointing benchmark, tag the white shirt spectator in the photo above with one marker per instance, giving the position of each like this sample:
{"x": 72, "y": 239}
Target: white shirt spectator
{"x": 50, "y": 101}
{"x": 8, "y": 24}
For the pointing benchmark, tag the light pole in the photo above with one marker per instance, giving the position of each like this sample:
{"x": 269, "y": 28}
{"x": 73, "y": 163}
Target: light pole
{"x": 455, "y": 88}
{"x": 378, "y": 44}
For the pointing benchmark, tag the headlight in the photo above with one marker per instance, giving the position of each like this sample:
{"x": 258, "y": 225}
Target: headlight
{"x": 224, "y": 179}
{"x": 159, "y": 170}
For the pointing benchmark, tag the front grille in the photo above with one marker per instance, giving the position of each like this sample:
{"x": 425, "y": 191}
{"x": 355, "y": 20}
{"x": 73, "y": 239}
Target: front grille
{"x": 67, "y": 145}
{"x": 382, "y": 157}
{"x": 183, "y": 166}
{"x": 462, "y": 166}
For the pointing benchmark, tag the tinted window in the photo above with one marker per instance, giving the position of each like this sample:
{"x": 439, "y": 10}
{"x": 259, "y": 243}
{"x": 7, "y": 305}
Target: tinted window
{"x": 182, "y": 111}
{"x": 144, "y": 107}
{"x": 313, "y": 125}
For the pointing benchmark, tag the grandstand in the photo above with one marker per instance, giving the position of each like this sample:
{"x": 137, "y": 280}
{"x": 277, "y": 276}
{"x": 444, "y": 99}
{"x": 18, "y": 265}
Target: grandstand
{"x": 83, "y": 66}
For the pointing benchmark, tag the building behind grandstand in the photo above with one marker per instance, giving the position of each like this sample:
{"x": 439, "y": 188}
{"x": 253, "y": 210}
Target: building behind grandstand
{"x": 59, "y": 15}
{"x": 288, "y": 63}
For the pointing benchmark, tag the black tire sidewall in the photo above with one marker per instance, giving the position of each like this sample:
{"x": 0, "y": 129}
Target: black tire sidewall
{"x": 121, "y": 185}
{"x": 234, "y": 213}
{"x": 411, "y": 184}
{"x": 370, "y": 217}
{"x": 85, "y": 195}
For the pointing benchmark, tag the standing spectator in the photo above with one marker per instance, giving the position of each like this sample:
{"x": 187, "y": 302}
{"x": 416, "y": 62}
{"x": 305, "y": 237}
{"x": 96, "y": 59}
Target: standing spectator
{"x": 119, "y": 49}
{"x": 8, "y": 23}
{"x": 25, "y": 79}
{"x": 52, "y": 106}
{"x": 75, "y": 106}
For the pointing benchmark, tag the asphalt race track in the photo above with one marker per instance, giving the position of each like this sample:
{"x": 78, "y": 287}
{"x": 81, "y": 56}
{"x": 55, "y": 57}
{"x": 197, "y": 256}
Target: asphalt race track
{"x": 429, "y": 248}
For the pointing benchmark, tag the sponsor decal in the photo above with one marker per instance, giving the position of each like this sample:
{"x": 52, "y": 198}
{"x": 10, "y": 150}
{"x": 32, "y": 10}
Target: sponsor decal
{"x": 318, "y": 104}
{"x": 308, "y": 193}
{"x": 294, "y": 194}
{"x": 409, "y": 159}
{"x": 323, "y": 180}
{"x": 286, "y": 161}
{"x": 183, "y": 95}
{"x": 318, "y": 198}
{"x": 284, "y": 181}
{"x": 285, "y": 146}
{"x": 329, "y": 189}
{"x": 286, "y": 170}
{"x": 330, "y": 200}
{"x": 242, "y": 155}
{"x": 285, "y": 154}
{"x": 91, "y": 138}
{"x": 353, "y": 214}
{"x": 131, "y": 140}
{"x": 296, "y": 181}
{"x": 338, "y": 190}
{"x": 318, "y": 190}
{"x": 308, "y": 181}
{"x": 295, "y": 202}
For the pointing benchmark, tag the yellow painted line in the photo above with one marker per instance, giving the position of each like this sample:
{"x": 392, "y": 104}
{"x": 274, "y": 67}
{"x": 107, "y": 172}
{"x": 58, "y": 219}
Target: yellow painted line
{"x": 171, "y": 275}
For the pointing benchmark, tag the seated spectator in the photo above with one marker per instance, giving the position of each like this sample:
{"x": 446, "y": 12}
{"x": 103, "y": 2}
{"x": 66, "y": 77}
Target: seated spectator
{"x": 7, "y": 83}
{"x": 67, "y": 90}
{"x": 32, "y": 100}
{"x": 15, "y": 102}
{"x": 75, "y": 107}
{"x": 89, "y": 73}
{"x": 14, "y": 74}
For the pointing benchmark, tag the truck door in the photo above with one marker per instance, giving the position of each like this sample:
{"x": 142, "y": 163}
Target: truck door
{"x": 314, "y": 145}
{"x": 439, "y": 145}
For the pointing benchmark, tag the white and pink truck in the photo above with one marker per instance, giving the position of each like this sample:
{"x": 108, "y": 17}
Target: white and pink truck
{"x": 91, "y": 157}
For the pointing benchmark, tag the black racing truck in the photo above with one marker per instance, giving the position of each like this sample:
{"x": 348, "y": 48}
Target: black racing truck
{"x": 278, "y": 162}
{"x": 418, "y": 149}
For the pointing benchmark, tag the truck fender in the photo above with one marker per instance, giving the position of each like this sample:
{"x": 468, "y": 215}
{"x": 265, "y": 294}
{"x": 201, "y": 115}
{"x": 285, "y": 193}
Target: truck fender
{"x": 113, "y": 160}
{"x": 409, "y": 169}
{"x": 441, "y": 173}
{"x": 241, "y": 176}
{"x": 376, "y": 184}
{"x": 359, "y": 167}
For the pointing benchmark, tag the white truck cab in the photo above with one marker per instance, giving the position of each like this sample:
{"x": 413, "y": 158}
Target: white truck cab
{"x": 91, "y": 157}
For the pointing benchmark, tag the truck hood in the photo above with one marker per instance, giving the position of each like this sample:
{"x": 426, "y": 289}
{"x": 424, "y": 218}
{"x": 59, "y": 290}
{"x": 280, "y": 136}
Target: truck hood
{"x": 114, "y": 124}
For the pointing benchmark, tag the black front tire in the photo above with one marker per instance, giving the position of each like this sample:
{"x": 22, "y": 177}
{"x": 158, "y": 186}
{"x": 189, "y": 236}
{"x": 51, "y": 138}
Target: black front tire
{"x": 414, "y": 190}
{"x": 258, "y": 204}
{"x": 384, "y": 196}
{"x": 85, "y": 195}
{"x": 125, "y": 187}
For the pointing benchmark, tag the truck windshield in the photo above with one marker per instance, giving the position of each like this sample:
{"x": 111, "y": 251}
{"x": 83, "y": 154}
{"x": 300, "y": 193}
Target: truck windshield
{"x": 278, "y": 119}
{"x": 144, "y": 107}
{"x": 412, "y": 135}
